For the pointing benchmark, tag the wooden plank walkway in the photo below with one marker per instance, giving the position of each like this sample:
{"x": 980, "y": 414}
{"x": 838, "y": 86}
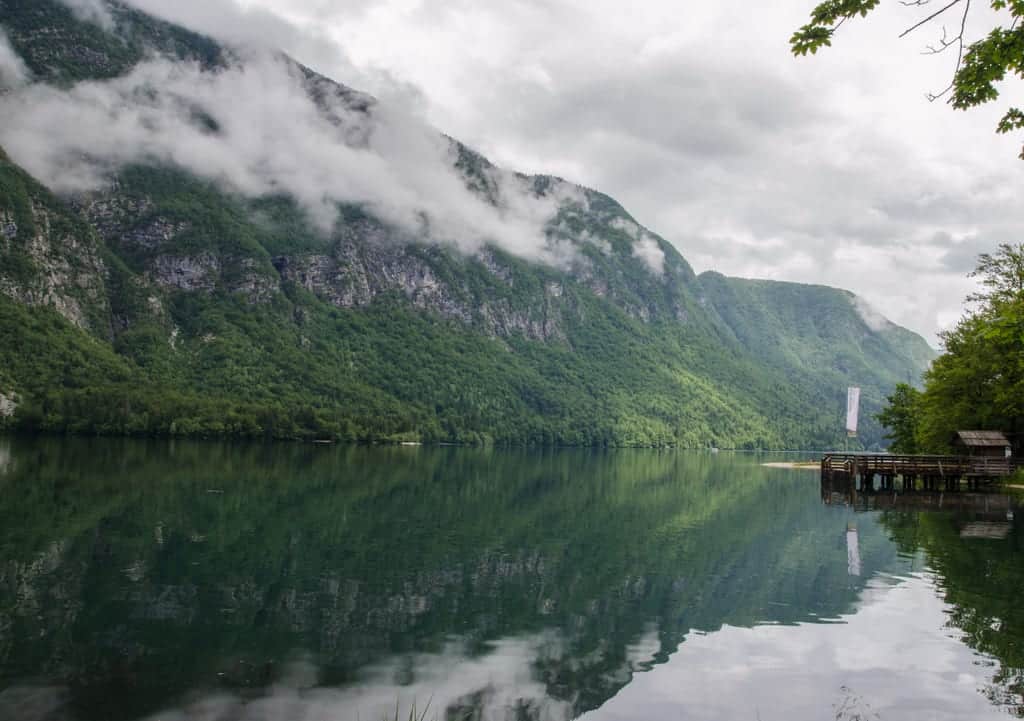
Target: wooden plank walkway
{"x": 932, "y": 472}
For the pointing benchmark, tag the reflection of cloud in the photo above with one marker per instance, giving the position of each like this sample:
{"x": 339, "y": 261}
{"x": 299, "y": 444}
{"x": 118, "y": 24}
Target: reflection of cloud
{"x": 29, "y": 703}
{"x": 497, "y": 685}
{"x": 893, "y": 653}
{"x": 640, "y": 655}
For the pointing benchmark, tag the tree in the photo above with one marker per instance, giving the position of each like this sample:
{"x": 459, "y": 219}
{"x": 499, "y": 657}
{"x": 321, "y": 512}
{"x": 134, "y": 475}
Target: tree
{"x": 979, "y": 65}
{"x": 1002, "y": 274}
{"x": 900, "y": 417}
{"x": 978, "y": 382}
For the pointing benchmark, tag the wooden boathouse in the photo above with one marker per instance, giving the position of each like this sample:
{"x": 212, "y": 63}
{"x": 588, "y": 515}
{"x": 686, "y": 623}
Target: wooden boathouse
{"x": 991, "y": 444}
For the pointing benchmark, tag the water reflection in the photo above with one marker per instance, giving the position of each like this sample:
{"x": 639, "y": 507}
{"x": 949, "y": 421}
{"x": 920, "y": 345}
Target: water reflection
{"x": 885, "y": 661}
{"x": 981, "y": 577}
{"x": 972, "y": 542}
{"x": 211, "y": 581}
{"x": 990, "y": 505}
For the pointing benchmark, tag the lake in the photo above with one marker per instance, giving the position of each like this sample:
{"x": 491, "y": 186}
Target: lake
{"x": 185, "y": 580}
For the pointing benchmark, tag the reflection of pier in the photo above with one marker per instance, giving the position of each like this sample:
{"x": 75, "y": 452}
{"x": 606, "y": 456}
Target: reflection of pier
{"x": 929, "y": 473}
{"x": 841, "y": 489}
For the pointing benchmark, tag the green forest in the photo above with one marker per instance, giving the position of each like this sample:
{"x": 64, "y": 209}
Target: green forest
{"x": 166, "y": 304}
{"x": 150, "y": 361}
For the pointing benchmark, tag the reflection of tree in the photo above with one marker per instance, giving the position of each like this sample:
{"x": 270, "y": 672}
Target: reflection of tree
{"x": 143, "y": 583}
{"x": 981, "y": 580}
{"x": 852, "y": 707}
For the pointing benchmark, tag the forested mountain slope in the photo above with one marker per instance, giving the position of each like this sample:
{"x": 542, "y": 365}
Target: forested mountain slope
{"x": 144, "y": 289}
{"x": 819, "y": 336}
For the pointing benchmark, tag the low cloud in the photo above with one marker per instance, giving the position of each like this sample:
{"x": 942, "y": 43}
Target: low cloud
{"x": 645, "y": 245}
{"x": 254, "y": 128}
{"x": 252, "y": 26}
{"x": 871, "y": 317}
{"x": 704, "y": 126}
{"x": 648, "y": 250}
{"x": 92, "y": 11}
{"x": 709, "y": 132}
{"x": 13, "y": 72}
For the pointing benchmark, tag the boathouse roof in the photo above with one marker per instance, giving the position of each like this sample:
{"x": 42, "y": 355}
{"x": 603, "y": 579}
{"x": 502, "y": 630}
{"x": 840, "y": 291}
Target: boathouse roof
{"x": 981, "y": 439}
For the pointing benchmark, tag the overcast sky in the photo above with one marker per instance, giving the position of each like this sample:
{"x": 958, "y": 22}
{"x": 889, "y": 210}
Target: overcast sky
{"x": 829, "y": 169}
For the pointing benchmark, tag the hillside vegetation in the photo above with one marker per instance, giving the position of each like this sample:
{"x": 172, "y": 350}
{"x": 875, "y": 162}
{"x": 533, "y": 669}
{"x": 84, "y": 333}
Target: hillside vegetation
{"x": 164, "y": 303}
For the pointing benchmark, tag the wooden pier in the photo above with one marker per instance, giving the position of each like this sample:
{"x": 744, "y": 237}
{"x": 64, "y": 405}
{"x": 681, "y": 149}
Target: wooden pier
{"x": 926, "y": 473}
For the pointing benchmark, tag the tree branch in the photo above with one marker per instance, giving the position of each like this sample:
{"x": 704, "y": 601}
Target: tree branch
{"x": 934, "y": 15}
{"x": 959, "y": 42}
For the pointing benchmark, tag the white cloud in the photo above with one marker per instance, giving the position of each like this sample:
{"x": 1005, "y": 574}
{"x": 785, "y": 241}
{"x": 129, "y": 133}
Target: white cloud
{"x": 648, "y": 250}
{"x": 254, "y": 26}
{"x": 94, "y": 11}
{"x": 13, "y": 72}
{"x": 645, "y": 246}
{"x": 271, "y": 137}
{"x": 496, "y": 684}
{"x": 894, "y": 657}
{"x": 710, "y": 133}
{"x": 871, "y": 317}
{"x": 832, "y": 169}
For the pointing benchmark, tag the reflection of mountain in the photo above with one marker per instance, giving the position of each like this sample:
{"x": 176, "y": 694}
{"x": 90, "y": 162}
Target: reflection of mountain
{"x": 982, "y": 579}
{"x": 136, "y": 572}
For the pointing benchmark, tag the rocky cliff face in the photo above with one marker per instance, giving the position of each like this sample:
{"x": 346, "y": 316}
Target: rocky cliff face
{"x": 601, "y": 333}
{"x": 365, "y": 261}
{"x": 360, "y": 272}
{"x": 50, "y": 260}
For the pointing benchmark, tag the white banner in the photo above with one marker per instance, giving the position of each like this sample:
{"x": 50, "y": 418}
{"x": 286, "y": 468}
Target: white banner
{"x": 852, "y": 409}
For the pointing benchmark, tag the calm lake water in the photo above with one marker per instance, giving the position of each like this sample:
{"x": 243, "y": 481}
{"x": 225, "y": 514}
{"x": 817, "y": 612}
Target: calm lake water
{"x": 169, "y": 580}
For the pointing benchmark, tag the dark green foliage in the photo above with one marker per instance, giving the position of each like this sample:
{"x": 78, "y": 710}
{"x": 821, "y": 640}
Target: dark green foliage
{"x": 212, "y": 221}
{"x": 14, "y": 199}
{"x": 41, "y": 351}
{"x": 60, "y": 48}
{"x": 287, "y": 229}
{"x": 900, "y": 417}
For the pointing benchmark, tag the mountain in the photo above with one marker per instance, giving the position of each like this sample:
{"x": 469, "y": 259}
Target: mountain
{"x": 201, "y": 240}
{"x": 809, "y": 332}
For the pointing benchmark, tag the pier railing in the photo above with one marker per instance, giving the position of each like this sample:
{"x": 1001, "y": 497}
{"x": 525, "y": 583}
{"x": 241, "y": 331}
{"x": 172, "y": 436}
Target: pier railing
{"x": 891, "y": 465}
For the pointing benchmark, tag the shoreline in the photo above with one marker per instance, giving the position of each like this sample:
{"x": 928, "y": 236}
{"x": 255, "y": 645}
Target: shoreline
{"x": 803, "y": 465}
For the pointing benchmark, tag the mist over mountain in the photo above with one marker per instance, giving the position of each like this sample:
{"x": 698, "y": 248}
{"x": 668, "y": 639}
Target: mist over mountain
{"x": 201, "y": 240}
